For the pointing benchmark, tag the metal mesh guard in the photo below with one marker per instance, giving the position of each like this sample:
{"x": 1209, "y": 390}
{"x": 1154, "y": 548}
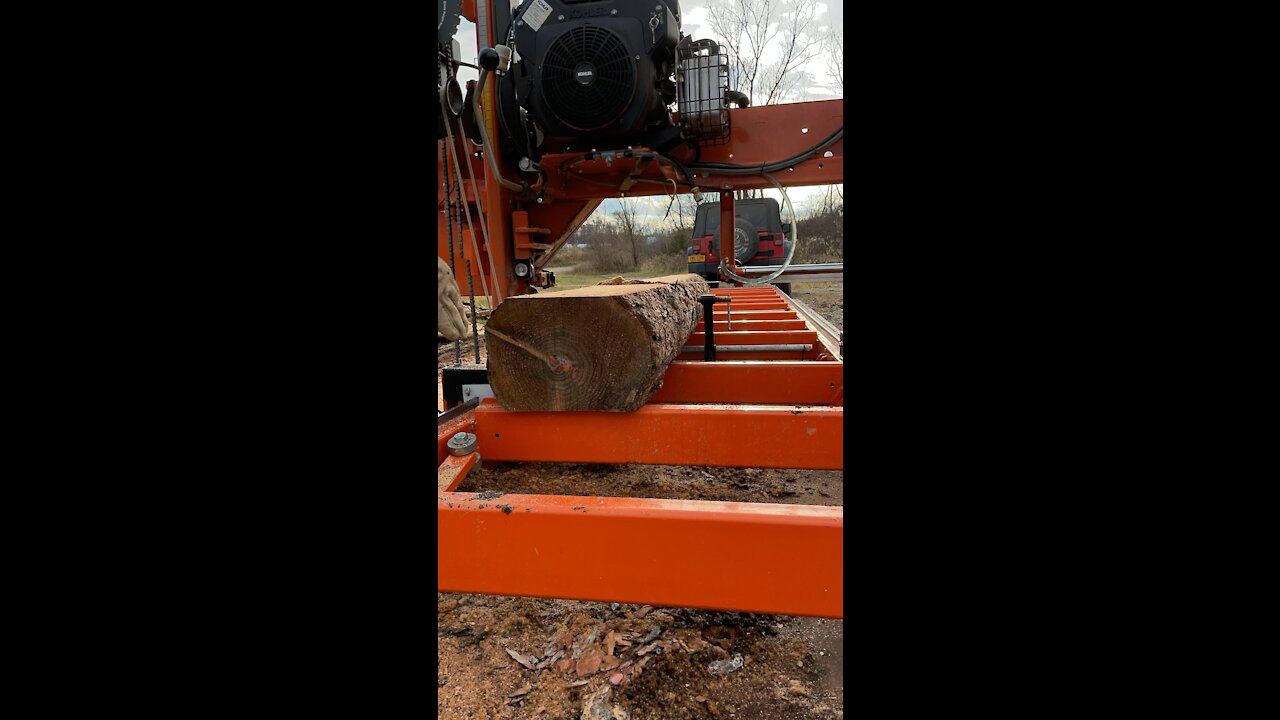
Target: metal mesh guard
{"x": 703, "y": 83}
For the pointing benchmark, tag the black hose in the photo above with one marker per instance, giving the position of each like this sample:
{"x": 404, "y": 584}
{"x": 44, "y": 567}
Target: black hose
{"x": 688, "y": 176}
{"x": 738, "y": 169}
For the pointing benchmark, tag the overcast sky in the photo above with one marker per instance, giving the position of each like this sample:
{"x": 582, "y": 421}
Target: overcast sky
{"x": 694, "y": 23}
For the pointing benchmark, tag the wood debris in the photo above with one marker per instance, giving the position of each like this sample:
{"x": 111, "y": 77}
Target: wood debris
{"x": 528, "y": 662}
{"x": 589, "y": 663}
{"x": 550, "y": 659}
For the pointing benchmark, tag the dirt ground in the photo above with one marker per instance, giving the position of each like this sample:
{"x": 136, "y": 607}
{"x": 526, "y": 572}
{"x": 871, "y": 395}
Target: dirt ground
{"x": 507, "y": 657}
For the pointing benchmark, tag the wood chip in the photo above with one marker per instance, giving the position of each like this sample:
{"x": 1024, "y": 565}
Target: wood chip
{"x": 637, "y": 668}
{"x": 577, "y": 683}
{"x": 564, "y": 665}
{"x": 589, "y": 663}
{"x": 644, "y": 611}
{"x": 527, "y": 662}
{"x": 522, "y": 691}
{"x": 609, "y": 641}
{"x": 646, "y": 649}
{"x": 616, "y": 678}
{"x": 550, "y": 659}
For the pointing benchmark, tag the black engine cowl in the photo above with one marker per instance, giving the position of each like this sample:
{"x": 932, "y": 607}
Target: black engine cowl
{"x": 595, "y": 73}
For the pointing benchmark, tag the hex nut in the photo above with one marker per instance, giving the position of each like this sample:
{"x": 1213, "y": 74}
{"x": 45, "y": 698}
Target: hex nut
{"x": 464, "y": 443}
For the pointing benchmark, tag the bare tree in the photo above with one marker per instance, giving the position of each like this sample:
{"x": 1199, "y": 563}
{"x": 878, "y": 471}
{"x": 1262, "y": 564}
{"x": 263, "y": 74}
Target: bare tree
{"x": 799, "y": 44}
{"x": 831, "y": 200}
{"x": 730, "y": 20}
{"x": 630, "y": 229}
{"x": 750, "y": 28}
{"x": 683, "y": 210}
{"x": 834, "y": 42}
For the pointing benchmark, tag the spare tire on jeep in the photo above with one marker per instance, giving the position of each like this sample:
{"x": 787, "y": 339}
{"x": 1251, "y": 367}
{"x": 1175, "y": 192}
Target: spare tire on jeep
{"x": 746, "y": 240}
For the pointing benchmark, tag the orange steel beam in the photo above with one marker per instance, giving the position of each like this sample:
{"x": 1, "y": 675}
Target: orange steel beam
{"x": 727, "y": 239}
{"x": 749, "y": 557}
{"x": 760, "y": 134}
{"x": 453, "y": 470}
{"x": 656, "y": 434}
{"x": 752, "y": 382}
{"x": 758, "y": 304}
{"x": 769, "y": 337}
{"x": 772, "y": 355}
{"x": 757, "y": 325}
{"x": 717, "y": 313}
{"x": 767, "y": 356}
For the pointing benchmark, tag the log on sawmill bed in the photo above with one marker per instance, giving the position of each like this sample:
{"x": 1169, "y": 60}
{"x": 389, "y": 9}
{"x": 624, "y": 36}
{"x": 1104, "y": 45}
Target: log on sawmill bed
{"x": 604, "y": 347}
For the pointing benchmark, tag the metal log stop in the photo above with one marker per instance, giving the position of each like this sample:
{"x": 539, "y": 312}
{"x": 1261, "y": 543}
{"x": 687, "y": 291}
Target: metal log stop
{"x": 708, "y": 301}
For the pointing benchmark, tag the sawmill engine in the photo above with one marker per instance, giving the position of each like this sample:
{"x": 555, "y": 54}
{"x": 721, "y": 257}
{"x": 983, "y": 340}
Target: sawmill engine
{"x": 583, "y": 75}
{"x": 594, "y": 73}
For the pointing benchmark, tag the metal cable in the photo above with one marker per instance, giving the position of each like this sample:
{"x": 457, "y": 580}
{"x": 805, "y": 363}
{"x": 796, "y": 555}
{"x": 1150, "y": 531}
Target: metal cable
{"x": 471, "y": 292}
{"x": 453, "y": 152}
{"x": 484, "y": 228}
{"x": 475, "y": 328}
{"x": 448, "y": 219}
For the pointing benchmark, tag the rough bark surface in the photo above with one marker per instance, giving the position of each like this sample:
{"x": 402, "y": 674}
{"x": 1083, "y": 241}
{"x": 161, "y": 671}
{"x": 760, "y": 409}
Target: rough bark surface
{"x": 602, "y": 348}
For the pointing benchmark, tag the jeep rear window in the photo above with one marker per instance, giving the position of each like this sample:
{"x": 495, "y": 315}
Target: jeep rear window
{"x": 762, "y": 214}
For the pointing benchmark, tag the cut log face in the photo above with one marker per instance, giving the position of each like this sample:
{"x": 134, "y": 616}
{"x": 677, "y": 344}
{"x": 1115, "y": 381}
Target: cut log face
{"x": 601, "y": 348}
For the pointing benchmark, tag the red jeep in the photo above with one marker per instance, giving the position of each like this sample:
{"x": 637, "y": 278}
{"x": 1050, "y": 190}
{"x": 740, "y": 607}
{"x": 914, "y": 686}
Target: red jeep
{"x": 759, "y": 238}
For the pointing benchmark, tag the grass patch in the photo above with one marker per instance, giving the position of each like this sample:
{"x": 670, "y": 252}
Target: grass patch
{"x": 572, "y": 281}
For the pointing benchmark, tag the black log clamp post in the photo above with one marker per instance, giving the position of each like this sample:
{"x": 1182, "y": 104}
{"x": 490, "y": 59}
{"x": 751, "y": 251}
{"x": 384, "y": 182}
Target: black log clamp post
{"x": 709, "y": 325}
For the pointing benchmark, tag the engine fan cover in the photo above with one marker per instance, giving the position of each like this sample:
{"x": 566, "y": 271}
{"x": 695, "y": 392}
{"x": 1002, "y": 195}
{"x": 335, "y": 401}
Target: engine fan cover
{"x": 588, "y": 77}
{"x": 590, "y": 71}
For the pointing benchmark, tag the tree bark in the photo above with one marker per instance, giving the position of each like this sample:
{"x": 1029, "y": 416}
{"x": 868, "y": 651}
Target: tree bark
{"x": 602, "y": 348}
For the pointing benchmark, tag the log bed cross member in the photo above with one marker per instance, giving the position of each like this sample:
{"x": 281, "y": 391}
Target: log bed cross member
{"x": 602, "y": 348}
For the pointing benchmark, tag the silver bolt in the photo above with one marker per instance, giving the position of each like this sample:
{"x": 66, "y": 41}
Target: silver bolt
{"x": 520, "y": 23}
{"x": 613, "y": 12}
{"x": 464, "y": 443}
{"x": 559, "y": 17}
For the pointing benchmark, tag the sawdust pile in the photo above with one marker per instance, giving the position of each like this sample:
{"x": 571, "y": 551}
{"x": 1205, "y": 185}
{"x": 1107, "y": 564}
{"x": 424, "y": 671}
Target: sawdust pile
{"x": 522, "y": 658}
